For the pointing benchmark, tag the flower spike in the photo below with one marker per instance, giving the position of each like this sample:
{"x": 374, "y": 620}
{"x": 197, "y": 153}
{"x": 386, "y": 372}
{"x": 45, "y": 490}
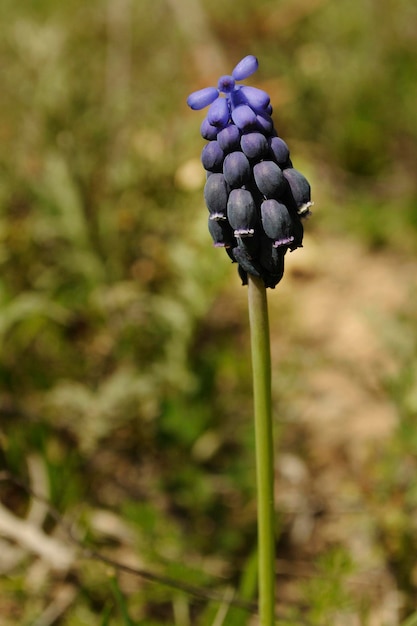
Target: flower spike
{"x": 256, "y": 199}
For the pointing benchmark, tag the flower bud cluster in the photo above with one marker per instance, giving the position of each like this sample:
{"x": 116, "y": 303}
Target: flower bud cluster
{"x": 255, "y": 198}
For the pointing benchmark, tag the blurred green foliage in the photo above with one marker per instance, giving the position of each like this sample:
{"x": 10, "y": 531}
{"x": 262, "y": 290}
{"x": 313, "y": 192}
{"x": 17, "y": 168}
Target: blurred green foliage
{"x": 124, "y": 359}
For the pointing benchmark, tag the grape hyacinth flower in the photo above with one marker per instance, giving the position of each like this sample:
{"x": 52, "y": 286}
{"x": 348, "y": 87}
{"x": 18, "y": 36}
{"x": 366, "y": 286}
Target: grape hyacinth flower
{"x": 255, "y": 197}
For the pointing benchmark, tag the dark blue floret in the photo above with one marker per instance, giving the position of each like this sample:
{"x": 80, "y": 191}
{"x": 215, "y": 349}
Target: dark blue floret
{"x": 241, "y": 213}
{"x": 222, "y": 233}
{"x": 208, "y": 131}
{"x": 216, "y": 194}
{"x": 277, "y": 222}
{"x": 243, "y": 116}
{"x": 269, "y": 179}
{"x": 300, "y": 189}
{"x": 212, "y": 157}
{"x": 236, "y": 169}
{"x": 255, "y": 197}
{"x": 229, "y": 138}
{"x": 254, "y": 145}
{"x": 219, "y": 113}
{"x": 280, "y": 152}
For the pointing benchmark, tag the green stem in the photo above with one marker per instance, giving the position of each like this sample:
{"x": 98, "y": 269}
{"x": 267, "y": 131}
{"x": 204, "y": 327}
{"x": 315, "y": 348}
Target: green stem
{"x": 261, "y": 369}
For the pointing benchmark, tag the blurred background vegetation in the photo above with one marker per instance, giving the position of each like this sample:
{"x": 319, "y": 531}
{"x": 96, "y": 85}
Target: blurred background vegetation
{"x": 124, "y": 367}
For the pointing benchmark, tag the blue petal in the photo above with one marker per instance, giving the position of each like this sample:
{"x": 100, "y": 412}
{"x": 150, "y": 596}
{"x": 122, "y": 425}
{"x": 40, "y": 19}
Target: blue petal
{"x": 279, "y": 151}
{"x": 219, "y": 113}
{"x": 208, "y": 131}
{"x": 202, "y": 98}
{"x": 264, "y": 123}
{"x": 243, "y": 116}
{"x": 300, "y": 189}
{"x": 229, "y": 138}
{"x": 256, "y": 98}
{"x": 246, "y": 67}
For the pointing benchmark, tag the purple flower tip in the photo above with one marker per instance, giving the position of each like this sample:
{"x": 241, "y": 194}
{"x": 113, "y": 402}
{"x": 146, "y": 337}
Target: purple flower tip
{"x": 202, "y": 98}
{"x": 245, "y": 68}
{"x": 226, "y": 84}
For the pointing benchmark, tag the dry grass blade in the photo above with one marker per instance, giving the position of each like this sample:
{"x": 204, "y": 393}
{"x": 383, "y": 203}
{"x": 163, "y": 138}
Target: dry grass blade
{"x": 32, "y": 538}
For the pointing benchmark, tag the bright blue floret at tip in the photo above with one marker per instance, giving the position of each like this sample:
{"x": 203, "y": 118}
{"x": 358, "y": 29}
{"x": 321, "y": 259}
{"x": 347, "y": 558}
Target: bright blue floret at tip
{"x": 255, "y": 197}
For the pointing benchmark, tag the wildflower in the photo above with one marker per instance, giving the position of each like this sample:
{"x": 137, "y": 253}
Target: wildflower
{"x": 255, "y": 197}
